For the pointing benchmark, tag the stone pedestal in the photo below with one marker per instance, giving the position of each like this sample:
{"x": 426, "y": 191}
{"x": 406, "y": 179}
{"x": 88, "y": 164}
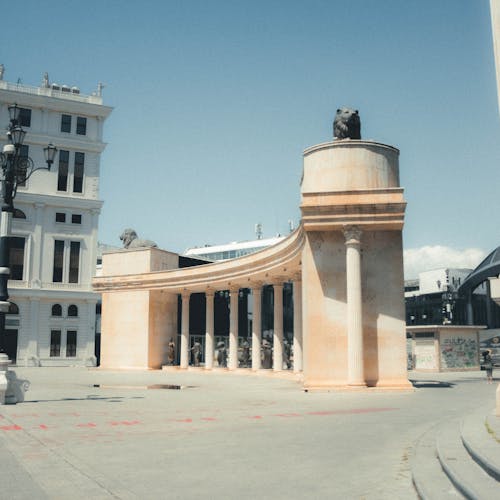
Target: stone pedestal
{"x": 352, "y": 267}
{"x": 4, "y": 366}
{"x": 12, "y": 389}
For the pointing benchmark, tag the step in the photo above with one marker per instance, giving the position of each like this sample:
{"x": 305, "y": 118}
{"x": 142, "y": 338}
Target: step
{"x": 429, "y": 479}
{"x": 467, "y": 476}
{"x": 480, "y": 444}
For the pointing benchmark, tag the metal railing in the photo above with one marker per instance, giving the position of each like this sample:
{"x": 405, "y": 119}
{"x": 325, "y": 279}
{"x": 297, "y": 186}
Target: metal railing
{"x": 50, "y": 92}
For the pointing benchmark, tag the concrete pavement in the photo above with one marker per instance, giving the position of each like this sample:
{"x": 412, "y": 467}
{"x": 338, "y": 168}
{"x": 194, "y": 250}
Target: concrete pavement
{"x": 98, "y": 434}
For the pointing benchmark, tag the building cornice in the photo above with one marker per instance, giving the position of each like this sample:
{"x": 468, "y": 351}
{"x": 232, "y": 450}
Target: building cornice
{"x": 58, "y": 201}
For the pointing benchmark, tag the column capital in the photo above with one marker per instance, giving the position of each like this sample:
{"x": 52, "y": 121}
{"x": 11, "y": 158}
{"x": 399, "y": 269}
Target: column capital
{"x": 279, "y": 282}
{"x": 256, "y": 286}
{"x": 210, "y": 293}
{"x": 185, "y": 293}
{"x": 352, "y": 235}
{"x": 233, "y": 288}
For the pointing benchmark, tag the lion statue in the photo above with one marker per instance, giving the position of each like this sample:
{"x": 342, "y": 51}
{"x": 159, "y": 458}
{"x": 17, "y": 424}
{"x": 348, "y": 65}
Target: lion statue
{"x": 347, "y": 124}
{"x": 131, "y": 240}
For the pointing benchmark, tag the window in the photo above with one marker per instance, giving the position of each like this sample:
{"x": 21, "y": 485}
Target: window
{"x": 81, "y": 125}
{"x": 60, "y": 217}
{"x": 16, "y": 257}
{"x": 62, "y": 177}
{"x": 18, "y": 214}
{"x": 57, "y": 310}
{"x": 74, "y": 261}
{"x": 25, "y": 117}
{"x": 65, "y": 123}
{"x": 76, "y": 219}
{"x": 66, "y": 263}
{"x": 55, "y": 343}
{"x": 57, "y": 274}
{"x": 70, "y": 343}
{"x": 73, "y": 310}
{"x": 78, "y": 173}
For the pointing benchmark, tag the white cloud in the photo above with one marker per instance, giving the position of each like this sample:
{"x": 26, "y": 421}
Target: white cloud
{"x": 426, "y": 258}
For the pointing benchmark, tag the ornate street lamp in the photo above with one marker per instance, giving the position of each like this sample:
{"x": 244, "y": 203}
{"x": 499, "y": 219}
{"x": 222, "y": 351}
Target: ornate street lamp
{"x": 16, "y": 169}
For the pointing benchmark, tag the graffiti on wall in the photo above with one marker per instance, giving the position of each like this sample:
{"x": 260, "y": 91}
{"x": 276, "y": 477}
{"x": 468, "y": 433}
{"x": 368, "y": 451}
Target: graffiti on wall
{"x": 459, "y": 352}
{"x": 425, "y": 354}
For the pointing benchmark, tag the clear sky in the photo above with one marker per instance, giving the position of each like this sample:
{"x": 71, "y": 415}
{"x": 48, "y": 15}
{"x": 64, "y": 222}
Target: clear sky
{"x": 214, "y": 102}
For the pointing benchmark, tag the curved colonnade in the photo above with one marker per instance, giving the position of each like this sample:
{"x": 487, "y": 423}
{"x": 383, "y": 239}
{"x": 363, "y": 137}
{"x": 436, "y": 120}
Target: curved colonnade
{"x": 273, "y": 266}
{"x": 345, "y": 261}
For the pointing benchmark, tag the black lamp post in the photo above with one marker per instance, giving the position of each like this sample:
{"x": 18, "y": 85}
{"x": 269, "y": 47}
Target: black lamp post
{"x": 16, "y": 169}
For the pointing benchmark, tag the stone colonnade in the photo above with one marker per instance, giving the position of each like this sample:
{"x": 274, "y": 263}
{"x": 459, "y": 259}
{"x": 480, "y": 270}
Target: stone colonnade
{"x": 256, "y": 327}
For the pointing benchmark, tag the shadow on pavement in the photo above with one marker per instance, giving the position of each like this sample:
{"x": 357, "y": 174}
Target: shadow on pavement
{"x": 438, "y": 384}
{"x": 110, "y": 399}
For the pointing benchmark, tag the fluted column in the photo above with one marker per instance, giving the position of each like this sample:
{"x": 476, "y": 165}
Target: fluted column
{"x": 184, "y": 362}
{"x": 209, "y": 327}
{"x": 278, "y": 328}
{"x": 355, "y": 375}
{"x": 297, "y": 324}
{"x": 256, "y": 326}
{"x": 233, "y": 328}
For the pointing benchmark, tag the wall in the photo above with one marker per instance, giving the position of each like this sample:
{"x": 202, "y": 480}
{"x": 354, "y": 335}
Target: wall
{"x": 459, "y": 350}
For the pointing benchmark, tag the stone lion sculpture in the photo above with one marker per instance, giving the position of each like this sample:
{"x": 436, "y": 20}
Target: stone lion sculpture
{"x": 131, "y": 240}
{"x": 346, "y": 124}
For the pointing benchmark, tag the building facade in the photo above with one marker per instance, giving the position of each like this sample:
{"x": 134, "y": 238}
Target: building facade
{"x": 54, "y": 245}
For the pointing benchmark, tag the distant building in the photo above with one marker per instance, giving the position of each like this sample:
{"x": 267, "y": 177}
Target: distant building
{"x": 232, "y": 250}
{"x": 433, "y": 298}
{"x": 54, "y": 248}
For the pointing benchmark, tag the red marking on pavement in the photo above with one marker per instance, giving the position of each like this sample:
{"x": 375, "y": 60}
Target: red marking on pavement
{"x": 126, "y": 422}
{"x": 43, "y": 427}
{"x": 186, "y": 420}
{"x": 255, "y": 416}
{"x": 88, "y": 424}
{"x": 350, "y": 412}
{"x": 11, "y": 427}
{"x": 287, "y": 415}
{"x": 209, "y": 419}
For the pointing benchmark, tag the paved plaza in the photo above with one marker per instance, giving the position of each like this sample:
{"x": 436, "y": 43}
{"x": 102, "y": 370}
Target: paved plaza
{"x": 86, "y": 433}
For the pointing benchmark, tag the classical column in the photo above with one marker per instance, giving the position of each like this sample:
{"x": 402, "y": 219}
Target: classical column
{"x": 233, "y": 328}
{"x": 185, "y": 330}
{"x": 278, "y": 328}
{"x": 256, "y": 326}
{"x": 209, "y": 328}
{"x": 355, "y": 367}
{"x": 32, "y": 352}
{"x": 297, "y": 324}
{"x": 36, "y": 262}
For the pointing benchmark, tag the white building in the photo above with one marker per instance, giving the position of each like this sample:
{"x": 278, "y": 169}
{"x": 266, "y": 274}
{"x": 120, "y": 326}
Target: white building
{"x": 232, "y": 250}
{"x": 54, "y": 252}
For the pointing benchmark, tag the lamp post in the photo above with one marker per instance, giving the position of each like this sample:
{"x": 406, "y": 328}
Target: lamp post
{"x": 16, "y": 170}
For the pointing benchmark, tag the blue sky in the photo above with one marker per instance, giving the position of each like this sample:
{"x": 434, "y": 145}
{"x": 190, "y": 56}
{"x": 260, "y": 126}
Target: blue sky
{"x": 214, "y": 103}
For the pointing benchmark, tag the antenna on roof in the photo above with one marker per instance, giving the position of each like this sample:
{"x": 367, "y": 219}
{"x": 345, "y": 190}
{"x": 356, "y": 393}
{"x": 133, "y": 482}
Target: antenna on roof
{"x": 291, "y": 225}
{"x": 258, "y": 230}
